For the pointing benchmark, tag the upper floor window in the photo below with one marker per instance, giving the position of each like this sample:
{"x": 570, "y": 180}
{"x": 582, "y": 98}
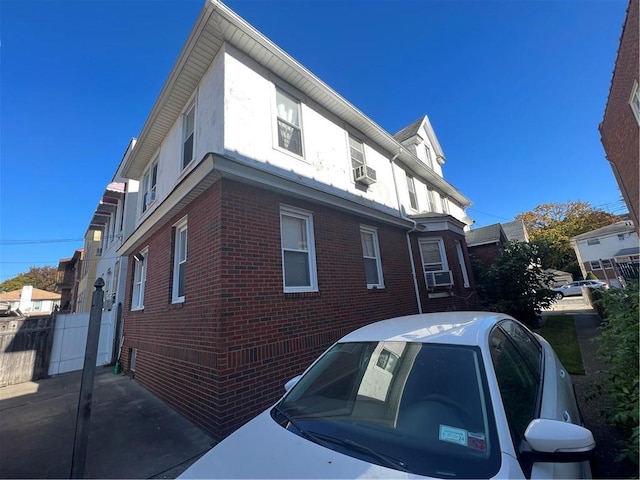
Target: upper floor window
{"x": 179, "y": 261}
{"x": 298, "y": 250}
{"x": 445, "y": 204}
{"x": 411, "y": 187}
{"x": 371, "y": 254}
{"x": 593, "y": 241}
{"x": 428, "y": 157}
{"x": 634, "y": 101}
{"x": 621, "y": 236}
{"x": 431, "y": 200}
{"x": 139, "y": 280}
{"x": 188, "y": 134}
{"x": 149, "y": 181}
{"x": 289, "y": 127}
{"x": 361, "y": 172}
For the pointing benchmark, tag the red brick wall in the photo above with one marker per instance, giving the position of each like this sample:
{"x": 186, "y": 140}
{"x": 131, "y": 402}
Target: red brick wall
{"x": 619, "y": 129}
{"x": 225, "y": 353}
{"x": 486, "y": 254}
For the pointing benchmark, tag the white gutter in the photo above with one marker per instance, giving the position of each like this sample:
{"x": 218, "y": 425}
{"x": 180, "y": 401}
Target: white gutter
{"x": 411, "y": 230}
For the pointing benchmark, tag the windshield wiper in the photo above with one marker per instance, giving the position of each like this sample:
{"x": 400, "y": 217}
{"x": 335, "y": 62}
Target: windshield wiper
{"x": 351, "y": 445}
{"x": 303, "y": 432}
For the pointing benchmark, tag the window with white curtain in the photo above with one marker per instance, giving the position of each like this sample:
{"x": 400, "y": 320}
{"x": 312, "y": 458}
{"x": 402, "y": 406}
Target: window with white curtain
{"x": 289, "y": 126}
{"x": 371, "y": 255}
{"x": 179, "y": 261}
{"x": 298, "y": 250}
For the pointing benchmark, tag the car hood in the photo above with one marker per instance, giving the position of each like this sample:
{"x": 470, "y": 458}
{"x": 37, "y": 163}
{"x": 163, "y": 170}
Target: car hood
{"x": 263, "y": 449}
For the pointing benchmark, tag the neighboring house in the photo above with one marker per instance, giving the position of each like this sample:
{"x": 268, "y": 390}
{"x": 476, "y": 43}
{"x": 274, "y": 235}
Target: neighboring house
{"x": 68, "y": 279}
{"x": 611, "y": 253}
{"x": 486, "y": 243}
{"x": 516, "y": 231}
{"x": 32, "y": 301}
{"x": 91, "y": 253}
{"x": 272, "y": 218}
{"x": 620, "y": 127}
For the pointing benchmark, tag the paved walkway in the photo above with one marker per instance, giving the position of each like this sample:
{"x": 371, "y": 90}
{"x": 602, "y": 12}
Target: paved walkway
{"x": 133, "y": 434}
{"x": 592, "y": 405}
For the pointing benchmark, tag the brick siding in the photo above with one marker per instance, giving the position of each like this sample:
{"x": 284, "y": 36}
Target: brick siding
{"x": 224, "y": 354}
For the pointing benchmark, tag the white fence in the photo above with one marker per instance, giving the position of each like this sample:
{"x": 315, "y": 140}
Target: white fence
{"x": 70, "y": 341}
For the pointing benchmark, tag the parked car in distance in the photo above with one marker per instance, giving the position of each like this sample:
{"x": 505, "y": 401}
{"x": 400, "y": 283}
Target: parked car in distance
{"x": 440, "y": 395}
{"x": 575, "y": 288}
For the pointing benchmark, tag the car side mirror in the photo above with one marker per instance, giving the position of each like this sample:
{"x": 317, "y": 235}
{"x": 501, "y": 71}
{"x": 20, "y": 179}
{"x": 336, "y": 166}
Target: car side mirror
{"x": 558, "y": 442}
{"x": 291, "y": 383}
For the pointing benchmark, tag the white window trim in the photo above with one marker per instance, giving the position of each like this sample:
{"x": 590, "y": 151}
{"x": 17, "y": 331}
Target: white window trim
{"x": 146, "y": 180}
{"x": 139, "y": 277}
{"x": 178, "y": 227}
{"x": 313, "y": 274}
{"x": 192, "y": 107}
{"x": 376, "y": 249}
{"x": 275, "y": 117}
{"x": 411, "y": 184}
{"x": 634, "y": 101}
{"x": 463, "y": 265}
{"x": 597, "y": 263}
{"x": 443, "y": 254}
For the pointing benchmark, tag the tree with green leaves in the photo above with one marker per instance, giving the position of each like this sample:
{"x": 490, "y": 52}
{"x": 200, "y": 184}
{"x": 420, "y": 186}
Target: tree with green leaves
{"x": 44, "y": 278}
{"x": 515, "y": 284}
{"x": 551, "y": 226}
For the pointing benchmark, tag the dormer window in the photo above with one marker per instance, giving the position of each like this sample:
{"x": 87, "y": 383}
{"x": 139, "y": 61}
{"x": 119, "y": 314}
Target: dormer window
{"x": 428, "y": 159}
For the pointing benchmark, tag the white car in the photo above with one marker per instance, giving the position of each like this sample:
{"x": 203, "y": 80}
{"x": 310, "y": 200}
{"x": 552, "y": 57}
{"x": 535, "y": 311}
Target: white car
{"x": 575, "y": 288}
{"x": 442, "y": 395}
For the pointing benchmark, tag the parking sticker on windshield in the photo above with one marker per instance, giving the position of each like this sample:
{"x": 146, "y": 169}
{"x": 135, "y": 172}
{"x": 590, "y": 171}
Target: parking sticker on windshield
{"x": 453, "y": 435}
{"x": 477, "y": 441}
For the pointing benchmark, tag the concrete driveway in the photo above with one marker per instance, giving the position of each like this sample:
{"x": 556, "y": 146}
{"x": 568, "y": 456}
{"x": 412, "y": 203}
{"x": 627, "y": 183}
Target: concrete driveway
{"x": 133, "y": 434}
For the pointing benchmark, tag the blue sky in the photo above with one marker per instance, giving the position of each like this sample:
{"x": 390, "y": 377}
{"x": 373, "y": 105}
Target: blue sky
{"x": 514, "y": 89}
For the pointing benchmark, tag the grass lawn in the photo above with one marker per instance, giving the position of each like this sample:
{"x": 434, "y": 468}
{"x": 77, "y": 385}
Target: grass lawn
{"x": 560, "y": 332}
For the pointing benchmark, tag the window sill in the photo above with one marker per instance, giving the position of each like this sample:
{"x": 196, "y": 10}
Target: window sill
{"x": 137, "y": 309}
{"x": 375, "y": 287}
{"x": 278, "y": 148}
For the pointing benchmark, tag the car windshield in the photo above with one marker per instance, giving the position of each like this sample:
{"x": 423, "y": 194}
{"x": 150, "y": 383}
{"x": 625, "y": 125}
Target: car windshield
{"x": 421, "y": 408}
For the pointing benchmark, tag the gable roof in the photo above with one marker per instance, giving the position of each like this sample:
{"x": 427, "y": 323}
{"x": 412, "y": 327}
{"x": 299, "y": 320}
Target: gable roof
{"x": 413, "y": 129}
{"x": 485, "y": 235}
{"x": 613, "y": 229}
{"x": 516, "y": 231}
{"x": 36, "y": 294}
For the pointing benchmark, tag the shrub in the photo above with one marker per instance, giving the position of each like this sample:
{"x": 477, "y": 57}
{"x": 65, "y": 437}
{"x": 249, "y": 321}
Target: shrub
{"x": 620, "y": 349}
{"x": 515, "y": 284}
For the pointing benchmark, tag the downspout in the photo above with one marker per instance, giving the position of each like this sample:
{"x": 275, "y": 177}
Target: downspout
{"x": 413, "y": 229}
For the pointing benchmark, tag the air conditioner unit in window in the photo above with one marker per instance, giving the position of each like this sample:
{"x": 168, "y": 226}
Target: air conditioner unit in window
{"x": 439, "y": 278}
{"x": 364, "y": 174}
